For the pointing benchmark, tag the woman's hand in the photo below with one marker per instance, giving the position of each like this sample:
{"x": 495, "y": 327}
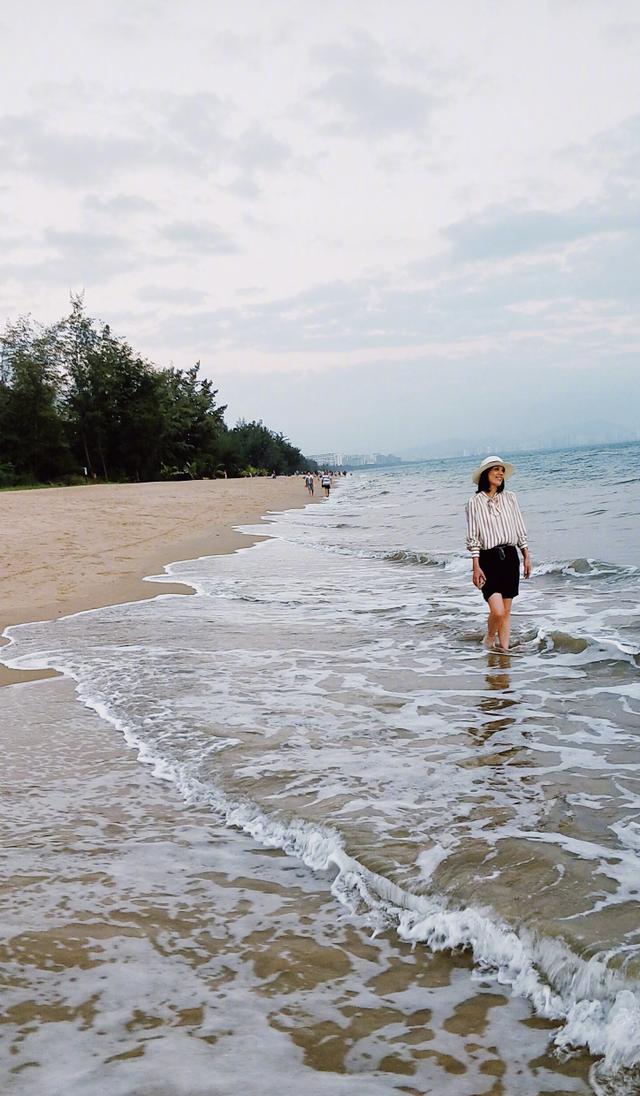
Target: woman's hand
{"x": 526, "y": 564}
{"x": 478, "y": 577}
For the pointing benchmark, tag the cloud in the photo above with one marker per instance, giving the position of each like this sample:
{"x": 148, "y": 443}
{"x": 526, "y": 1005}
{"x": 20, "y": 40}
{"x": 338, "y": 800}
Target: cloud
{"x": 29, "y": 145}
{"x": 72, "y": 258}
{"x": 363, "y": 94}
{"x": 118, "y": 134}
{"x": 359, "y": 51}
{"x": 194, "y": 123}
{"x": 170, "y": 295}
{"x": 200, "y": 237}
{"x": 525, "y": 282}
{"x": 201, "y": 132}
{"x": 118, "y": 205}
{"x": 612, "y": 156}
{"x": 245, "y": 47}
{"x": 258, "y": 150}
{"x": 84, "y": 258}
{"x": 587, "y": 249}
{"x": 244, "y": 186}
{"x": 499, "y": 233}
{"x": 370, "y": 105}
{"x": 623, "y": 34}
{"x": 195, "y": 134}
{"x": 130, "y": 20}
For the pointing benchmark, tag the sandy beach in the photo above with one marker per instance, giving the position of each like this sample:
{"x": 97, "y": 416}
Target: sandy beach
{"x": 68, "y": 549}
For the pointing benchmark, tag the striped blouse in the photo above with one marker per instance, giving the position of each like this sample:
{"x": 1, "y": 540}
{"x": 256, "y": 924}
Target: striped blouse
{"x": 493, "y": 521}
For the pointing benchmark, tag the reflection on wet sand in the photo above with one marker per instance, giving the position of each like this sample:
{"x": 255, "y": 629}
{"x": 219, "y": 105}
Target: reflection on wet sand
{"x": 498, "y": 683}
{"x": 498, "y": 675}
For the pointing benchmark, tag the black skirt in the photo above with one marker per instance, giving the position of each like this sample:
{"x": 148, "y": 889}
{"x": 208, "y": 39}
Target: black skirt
{"x": 501, "y": 567}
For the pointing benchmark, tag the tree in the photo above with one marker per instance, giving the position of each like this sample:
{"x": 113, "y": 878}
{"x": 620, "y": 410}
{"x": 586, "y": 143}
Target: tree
{"x": 113, "y": 402}
{"x": 192, "y": 423}
{"x": 85, "y": 405}
{"x": 32, "y": 430}
{"x": 253, "y": 444}
{"x": 75, "y": 395}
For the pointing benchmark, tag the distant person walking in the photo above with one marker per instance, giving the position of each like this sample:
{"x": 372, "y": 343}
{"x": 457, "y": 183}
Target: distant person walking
{"x": 326, "y": 484}
{"x": 495, "y": 530}
{"x": 308, "y": 479}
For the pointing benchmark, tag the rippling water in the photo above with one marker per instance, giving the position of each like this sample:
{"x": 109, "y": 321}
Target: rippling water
{"x": 327, "y": 692}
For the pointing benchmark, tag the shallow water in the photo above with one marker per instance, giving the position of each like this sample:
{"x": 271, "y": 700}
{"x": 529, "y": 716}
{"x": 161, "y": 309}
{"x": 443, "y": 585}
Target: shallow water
{"x": 327, "y": 693}
{"x": 147, "y": 948}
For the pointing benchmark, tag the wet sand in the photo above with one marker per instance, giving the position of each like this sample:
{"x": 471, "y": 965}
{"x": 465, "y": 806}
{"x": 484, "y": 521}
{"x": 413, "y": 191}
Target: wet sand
{"x": 148, "y": 950}
{"x": 69, "y": 549}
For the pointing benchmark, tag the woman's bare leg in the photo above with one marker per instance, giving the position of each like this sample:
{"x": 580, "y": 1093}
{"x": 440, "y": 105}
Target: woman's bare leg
{"x": 495, "y": 605}
{"x": 499, "y": 621}
{"x": 492, "y": 631}
{"x": 505, "y": 634}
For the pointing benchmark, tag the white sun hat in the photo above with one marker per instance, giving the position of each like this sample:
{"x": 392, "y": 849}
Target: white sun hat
{"x": 490, "y": 462}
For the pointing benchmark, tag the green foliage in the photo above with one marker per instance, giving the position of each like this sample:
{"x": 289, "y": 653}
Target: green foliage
{"x": 32, "y": 433}
{"x": 249, "y": 472}
{"x": 74, "y": 395}
{"x": 254, "y": 445}
{"x": 8, "y": 476}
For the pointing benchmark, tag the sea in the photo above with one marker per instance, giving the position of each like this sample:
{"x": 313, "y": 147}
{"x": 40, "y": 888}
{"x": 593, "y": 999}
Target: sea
{"x": 302, "y": 833}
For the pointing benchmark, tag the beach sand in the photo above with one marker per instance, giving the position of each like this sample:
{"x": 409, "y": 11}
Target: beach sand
{"x": 68, "y": 549}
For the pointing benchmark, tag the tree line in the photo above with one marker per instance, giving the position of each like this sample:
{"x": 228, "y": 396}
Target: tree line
{"x": 77, "y": 402}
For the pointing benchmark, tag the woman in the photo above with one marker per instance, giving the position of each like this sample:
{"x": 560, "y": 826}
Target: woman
{"x": 495, "y": 530}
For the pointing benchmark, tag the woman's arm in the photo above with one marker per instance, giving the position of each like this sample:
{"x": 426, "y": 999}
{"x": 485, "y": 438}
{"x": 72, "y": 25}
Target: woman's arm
{"x": 474, "y": 540}
{"x": 474, "y": 544}
{"x": 522, "y": 538}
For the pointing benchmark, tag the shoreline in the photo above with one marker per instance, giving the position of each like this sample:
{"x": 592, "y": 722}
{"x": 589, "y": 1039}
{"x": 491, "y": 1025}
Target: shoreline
{"x": 73, "y": 549}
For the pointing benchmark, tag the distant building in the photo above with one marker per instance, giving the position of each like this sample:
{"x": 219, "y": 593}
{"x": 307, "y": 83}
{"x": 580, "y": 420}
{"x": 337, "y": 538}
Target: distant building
{"x": 357, "y": 460}
{"x": 328, "y": 460}
{"x": 370, "y": 460}
{"x": 386, "y": 458}
{"x": 354, "y": 460}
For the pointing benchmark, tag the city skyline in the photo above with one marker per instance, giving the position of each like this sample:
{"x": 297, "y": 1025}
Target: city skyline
{"x": 454, "y": 448}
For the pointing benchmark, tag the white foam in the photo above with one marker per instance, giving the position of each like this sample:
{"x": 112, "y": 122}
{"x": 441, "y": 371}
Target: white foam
{"x": 429, "y": 859}
{"x": 592, "y": 1003}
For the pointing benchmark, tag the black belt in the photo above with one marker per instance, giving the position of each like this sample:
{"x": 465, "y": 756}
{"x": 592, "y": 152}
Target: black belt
{"x": 500, "y": 549}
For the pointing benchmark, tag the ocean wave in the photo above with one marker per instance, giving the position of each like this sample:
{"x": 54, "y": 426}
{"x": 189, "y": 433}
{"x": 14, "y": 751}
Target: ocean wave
{"x": 585, "y": 568}
{"x": 368, "y": 552}
{"x": 405, "y": 555}
{"x": 594, "y": 1005}
{"x": 598, "y": 647}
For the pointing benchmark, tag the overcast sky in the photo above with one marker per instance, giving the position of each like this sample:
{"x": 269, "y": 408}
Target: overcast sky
{"x": 377, "y": 224}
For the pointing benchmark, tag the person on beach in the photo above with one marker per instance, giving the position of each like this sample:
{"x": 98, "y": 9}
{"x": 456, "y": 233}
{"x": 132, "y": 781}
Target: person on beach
{"x": 308, "y": 479}
{"x": 326, "y": 484}
{"x": 495, "y": 530}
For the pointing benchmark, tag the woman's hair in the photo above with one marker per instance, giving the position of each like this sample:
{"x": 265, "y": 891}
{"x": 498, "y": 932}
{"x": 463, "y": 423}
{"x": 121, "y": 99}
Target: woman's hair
{"x": 483, "y": 482}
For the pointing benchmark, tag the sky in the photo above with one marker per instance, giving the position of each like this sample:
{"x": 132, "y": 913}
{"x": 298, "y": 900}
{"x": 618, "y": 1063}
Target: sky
{"x": 404, "y": 227}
